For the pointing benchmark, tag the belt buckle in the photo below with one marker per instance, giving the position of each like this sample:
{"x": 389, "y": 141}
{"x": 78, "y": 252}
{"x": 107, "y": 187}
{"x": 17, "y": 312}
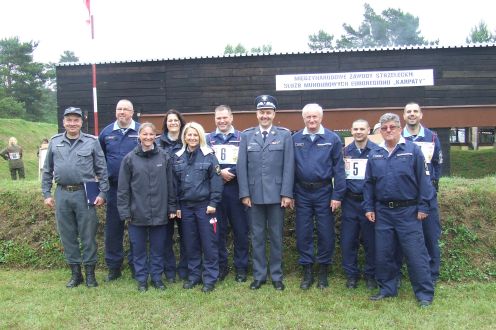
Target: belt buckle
{"x": 391, "y": 205}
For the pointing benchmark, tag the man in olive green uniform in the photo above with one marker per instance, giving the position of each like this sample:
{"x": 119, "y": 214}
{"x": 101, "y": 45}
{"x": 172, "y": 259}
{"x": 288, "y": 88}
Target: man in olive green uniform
{"x": 74, "y": 161}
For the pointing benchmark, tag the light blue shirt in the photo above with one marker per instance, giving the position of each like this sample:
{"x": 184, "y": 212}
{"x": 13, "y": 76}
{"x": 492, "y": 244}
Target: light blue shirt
{"x": 383, "y": 145}
{"x": 312, "y": 135}
{"x": 124, "y": 130}
{"x": 224, "y": 135}
{"x": 421, "y": 133}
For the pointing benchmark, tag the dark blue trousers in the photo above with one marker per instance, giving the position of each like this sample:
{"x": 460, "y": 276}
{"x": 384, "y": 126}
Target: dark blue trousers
{"x": 148, "y": 254}
{"x": 114, "y": 233}
{"x": 400, "y": 226}
{"x": 314, "y": 204}
{"x": 431, "y": 227}
{"x": 354, "y": 225}
{"x": 432, "y": 233}
{"x": 201, "y": 241}
{"x": 232, "y": 212}
{"x": 170, "y": 257}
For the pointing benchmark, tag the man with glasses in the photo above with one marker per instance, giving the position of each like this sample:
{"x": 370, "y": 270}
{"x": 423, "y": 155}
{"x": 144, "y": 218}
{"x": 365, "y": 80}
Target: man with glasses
{"x": 396, "y": 198}
{"x": 117, "y": 140}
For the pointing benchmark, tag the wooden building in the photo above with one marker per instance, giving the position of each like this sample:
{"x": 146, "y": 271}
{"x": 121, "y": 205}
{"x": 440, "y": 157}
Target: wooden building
{"x": 462, "y": 93}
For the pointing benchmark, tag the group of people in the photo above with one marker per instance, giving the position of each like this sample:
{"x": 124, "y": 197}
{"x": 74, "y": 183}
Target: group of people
{"x": 204, "y": 184}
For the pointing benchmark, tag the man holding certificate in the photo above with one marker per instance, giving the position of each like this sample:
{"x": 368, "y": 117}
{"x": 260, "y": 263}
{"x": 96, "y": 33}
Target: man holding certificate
{"x": 429, "y": 143}
{"x": 73, "y": 159}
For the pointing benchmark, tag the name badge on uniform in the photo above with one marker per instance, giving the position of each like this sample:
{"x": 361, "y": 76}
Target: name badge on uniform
{"x": 355, "y": 168}
{"x": 14, "y": 155}
{"x": 427, "y": 149}
{"x": 227, "y": 154}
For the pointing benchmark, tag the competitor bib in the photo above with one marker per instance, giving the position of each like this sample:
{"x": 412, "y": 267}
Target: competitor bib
{"x": 427, "y": 149}
{"x": 227, "y": 154}
{"x": 355, "y": 168}
{"x": 14, "y": 155}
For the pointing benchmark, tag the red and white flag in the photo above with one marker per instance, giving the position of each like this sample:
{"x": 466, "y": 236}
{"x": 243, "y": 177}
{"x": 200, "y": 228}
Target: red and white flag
{"x": 87, "y": 4}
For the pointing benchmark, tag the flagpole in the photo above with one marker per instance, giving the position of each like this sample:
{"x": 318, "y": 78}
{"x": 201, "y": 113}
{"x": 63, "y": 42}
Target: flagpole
{"x": 93, "y": 73}
{"x": 93, "y": 65}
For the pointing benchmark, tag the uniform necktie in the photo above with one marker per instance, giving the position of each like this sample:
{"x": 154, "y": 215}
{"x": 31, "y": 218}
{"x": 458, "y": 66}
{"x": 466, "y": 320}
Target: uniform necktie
{"x": 264, "y": 133}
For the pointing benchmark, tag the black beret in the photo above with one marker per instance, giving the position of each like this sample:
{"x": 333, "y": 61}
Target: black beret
{"x": 73, "y": 111}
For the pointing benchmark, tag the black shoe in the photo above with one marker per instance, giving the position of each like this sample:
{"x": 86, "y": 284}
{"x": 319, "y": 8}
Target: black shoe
{"x": 424, "y": 303}
{"x": 378, "y": 297}
{"x": 76, "y": 276}
{"x": 190, "y": 284}
{"x": 142, "y": 286}
{"x": 370, "y": 283}
{"x": 307, "y": 280}
{"x": 133, "y": 271}
{"x": 90, "y": 276}
{"x": 223, "y": 273}
{"x": 352, "y": 283}
{"x": 241, "y": 277}
{"x": 171, "y": 280}
{"x": 322, "y": 283}
{"x": 278, "y": 285}
{"x": 159, "y": 285}
{"x": 114, "y": 273}
{"x": 208, "y": 288}
{"x": 256, "y": 284}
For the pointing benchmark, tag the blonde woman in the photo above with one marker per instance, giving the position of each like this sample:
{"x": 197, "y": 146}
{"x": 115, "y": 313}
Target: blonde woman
{"x": 199, "y": 189}
{"x": 13, "y": 154}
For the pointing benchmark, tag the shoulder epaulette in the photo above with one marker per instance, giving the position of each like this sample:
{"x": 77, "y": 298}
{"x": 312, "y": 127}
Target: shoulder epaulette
{"x": 90, "y": 136}
{"x": 56, "y": 135}
{"x": 248, "y": 129}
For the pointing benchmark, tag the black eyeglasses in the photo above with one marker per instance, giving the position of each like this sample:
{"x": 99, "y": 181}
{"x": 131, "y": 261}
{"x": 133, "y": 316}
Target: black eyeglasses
{"x": 390, "y": 127}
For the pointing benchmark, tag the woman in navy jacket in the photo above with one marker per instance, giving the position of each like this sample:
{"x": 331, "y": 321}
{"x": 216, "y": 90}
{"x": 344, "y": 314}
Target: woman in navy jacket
{"x": 170, "y": 142}
{"x": 146, "y": 199}
{"x": 199, "y": 189}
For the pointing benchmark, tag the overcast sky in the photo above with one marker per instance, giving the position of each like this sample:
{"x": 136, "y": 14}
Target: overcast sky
{"x": 157, "y": 29}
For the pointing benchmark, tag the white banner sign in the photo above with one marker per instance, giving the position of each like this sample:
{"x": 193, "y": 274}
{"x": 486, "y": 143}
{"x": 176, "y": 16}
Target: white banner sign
{"x": 370, "y": 79}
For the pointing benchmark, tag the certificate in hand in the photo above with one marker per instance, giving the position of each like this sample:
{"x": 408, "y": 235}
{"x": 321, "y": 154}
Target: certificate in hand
{"x": 92, "y": 191}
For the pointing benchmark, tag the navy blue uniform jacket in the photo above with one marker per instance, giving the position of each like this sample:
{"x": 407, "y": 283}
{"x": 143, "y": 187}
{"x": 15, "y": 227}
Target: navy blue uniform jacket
{"x": 399, "y": 177}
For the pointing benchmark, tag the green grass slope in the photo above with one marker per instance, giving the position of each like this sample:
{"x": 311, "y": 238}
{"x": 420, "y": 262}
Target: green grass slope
{"x": 29, "y": 135}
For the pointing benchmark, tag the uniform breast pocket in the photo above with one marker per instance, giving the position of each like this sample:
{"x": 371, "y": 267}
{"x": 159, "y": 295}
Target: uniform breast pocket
{"x": 404, "y": 165}
{"x": 178, "y": 169}
{"x": 85, "y": 161}
{"x": 198, "y": 172}
{"x": 276, "y": 147}
{"x": 255, "y": 147}
{"x": 379, "y": 167}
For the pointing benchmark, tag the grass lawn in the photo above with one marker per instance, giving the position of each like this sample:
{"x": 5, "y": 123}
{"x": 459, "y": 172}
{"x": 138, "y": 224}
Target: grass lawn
{"x": 38, "y": 299}
{"x": 473, "y": 163}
